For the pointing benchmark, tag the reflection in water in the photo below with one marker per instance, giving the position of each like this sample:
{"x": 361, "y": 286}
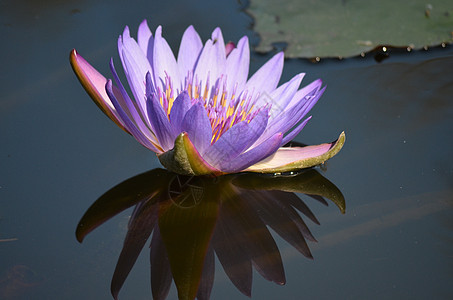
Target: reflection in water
{"x": 192, "y": 218}
{"x": 18, "y": 281}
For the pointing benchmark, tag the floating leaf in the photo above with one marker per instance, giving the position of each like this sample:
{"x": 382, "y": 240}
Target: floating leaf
{"x": 350, "y": 27}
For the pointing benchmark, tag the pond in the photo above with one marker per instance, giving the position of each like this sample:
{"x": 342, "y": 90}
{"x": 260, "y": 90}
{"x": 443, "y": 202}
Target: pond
{"x": 374, "y": 222}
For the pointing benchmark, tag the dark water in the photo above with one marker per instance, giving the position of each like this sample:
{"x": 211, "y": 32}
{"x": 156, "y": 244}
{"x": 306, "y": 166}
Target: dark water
{"x": 59, "y": 154}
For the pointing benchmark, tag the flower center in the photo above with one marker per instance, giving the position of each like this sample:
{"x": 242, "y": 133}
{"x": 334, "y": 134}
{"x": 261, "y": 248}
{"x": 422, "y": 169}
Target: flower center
{"x": 224, "y": 108}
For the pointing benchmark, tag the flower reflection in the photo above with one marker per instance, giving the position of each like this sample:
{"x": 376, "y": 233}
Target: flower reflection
{"x": 191, "y": 218}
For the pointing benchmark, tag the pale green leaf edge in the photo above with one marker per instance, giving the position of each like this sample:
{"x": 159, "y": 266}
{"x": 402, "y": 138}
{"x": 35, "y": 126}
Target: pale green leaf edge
{"x": 184, "y": 159}
{"x": 176, "y": 159}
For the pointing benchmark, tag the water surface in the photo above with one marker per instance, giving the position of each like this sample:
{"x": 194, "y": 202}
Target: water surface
{"x": 60, "y": 153}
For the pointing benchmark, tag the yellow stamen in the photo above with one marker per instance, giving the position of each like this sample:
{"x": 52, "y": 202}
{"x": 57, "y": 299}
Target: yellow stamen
{"x": 223, "y": 99}
{"x": 170, "y": 105}
{"x": 170, "y": 99}
{"x": 196, "y": 93}
{"x": 229, "y": 112}
{"x": 232, "y": 121}
{"x": 243, "y": 115}
{"x": 205, "y": 94}
{"x": 189, "y": 89}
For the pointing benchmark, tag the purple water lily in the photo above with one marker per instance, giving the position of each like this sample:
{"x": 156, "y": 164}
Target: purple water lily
{"x": 200, "y": 113}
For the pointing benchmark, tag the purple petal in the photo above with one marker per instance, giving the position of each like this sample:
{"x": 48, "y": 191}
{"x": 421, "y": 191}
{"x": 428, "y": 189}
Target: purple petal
{"x": 160, "y": 123}
{"x": 228, "y": 147}
{"x": 179, "y": 109}
{"x": 136, "y": 133}
{"x": 136, "y": 82}
{"x": 255, "y": 155}
{"x": 217, "y": 39}
{"x": 189, "y": 51}
{"x": 197, "y": 125}
{"x": 130, "y": 109}
{"x": 164, "y": 62}
{"x": 93, "y": 80}
{"x": 298, "y": 112}
{"x": 146, "y": 41}
{"x": 295, "y": 131}
{"x": 308, "y": 90}
{"x": 282, "y": 96}
{"x": 212, "y": 60}
{"x": 290, "y": 117}
{"x": 123, "y": 99}
{"x": 237, "y": 65}
{"x": 257, "y": 126}
{"x": 287, "y": 155}
{"x": 236, "y": 140}
{"x": 267, "y": 77}
{"x": 135, "y": 65}
{"x": 94, "y": 83}
{"x": 287, "y": 159}
{"x": 311, "y": 99}
{"x": 128, "y": 46}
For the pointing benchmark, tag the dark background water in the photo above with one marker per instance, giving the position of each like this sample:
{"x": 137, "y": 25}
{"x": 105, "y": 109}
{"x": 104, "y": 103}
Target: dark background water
{"x": 59, "y": 153}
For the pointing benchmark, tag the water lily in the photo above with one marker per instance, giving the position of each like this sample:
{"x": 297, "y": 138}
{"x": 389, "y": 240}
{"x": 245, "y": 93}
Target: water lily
{"x": 200, "y": 112}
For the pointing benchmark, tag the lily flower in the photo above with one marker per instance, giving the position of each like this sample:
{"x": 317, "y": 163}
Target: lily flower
{"x": 200, "y": 112}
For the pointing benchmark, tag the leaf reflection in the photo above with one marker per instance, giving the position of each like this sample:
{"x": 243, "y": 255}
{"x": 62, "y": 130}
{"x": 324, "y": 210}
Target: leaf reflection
{"x": 191, "y": 218}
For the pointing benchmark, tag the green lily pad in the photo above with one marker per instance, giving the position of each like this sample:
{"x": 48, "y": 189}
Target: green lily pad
{"x": 342, "y": 28}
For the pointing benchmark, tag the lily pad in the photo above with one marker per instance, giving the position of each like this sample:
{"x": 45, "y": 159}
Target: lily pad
{"x": 342, "y": 28}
